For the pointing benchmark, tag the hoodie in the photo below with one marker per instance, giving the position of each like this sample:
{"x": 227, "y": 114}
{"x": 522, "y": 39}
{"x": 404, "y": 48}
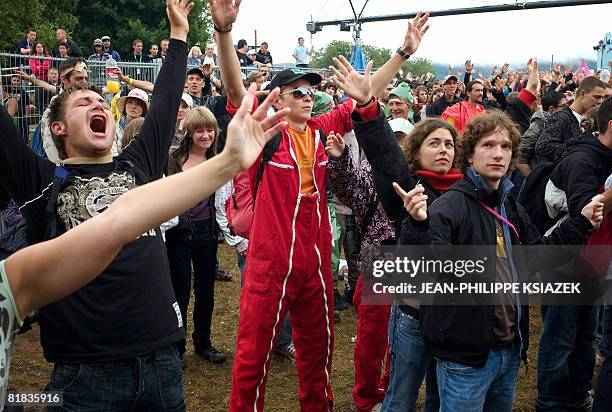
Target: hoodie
{"x": 582, "y": 173}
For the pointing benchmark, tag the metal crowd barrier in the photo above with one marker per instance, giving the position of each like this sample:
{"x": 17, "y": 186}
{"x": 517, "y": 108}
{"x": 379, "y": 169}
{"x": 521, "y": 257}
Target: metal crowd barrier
{"x": 33, "y": 100}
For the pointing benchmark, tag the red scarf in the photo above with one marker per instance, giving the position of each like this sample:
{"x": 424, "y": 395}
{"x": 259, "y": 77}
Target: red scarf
{"x": 439, "y": 182}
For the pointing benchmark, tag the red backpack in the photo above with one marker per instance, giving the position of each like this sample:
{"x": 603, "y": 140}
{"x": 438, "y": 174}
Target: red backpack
{"x": 240, "y": 206}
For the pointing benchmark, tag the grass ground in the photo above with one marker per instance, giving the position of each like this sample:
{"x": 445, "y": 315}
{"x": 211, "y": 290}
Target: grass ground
{"x": 207, "y": 386}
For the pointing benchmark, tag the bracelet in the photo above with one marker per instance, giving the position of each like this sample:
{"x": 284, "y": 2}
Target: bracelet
{"x": 130, "y": 81}
{"x": 366, "y": 104}
{"x": 402, "y": 53}
{"x": 218, "y": 30}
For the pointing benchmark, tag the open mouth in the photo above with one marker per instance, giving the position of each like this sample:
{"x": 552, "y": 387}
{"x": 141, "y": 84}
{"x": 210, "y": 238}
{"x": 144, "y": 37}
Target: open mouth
{"x": 97, "y": 124}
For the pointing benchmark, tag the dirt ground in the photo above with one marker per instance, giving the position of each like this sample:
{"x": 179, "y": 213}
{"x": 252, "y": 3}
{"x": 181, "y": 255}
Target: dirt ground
{"x": 207, "y": 386}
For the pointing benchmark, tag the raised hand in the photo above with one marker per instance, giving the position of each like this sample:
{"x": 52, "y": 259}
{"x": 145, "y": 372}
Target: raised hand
{"x": 178, "y": 11}
{"x": 206, "y": 69}
{"x": 357, "y": 86}
{"x": 469, "y": 67}
{"x": 247, "y": 134}
{"x": 594, "y": 210}
{"x": 224, "y": 12}
{"x": 335, "y": 145}
{"x": 505, "y": 67}
{"x": 23, "y": 75}
{"x": 415, "y": 32}
{"x": 415, "y": 201}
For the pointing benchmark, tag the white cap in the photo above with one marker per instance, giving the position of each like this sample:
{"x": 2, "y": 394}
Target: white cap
{"x": 187, "y": 99}
{"x": 401, "y": 125}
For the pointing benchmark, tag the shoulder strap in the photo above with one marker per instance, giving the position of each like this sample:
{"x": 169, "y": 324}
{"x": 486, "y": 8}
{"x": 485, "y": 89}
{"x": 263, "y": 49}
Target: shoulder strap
{"x": 500, "y": 217}
{"x": 49, "y": 219}
{"x": 269, "y": 149}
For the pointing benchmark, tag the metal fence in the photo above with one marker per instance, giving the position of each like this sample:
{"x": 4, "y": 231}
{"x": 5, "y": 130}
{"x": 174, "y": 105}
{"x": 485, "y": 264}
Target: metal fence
{"x": 32, "y": 100}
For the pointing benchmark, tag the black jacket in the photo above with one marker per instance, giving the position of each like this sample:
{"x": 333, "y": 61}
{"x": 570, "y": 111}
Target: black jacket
{"x": 437, "y": 107}
{"x": 583, "y": 171}
{"x": 464, "y": 334}
{"x": 560, "y": 128}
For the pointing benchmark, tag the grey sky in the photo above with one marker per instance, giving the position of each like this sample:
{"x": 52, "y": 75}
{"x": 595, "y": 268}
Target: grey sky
{"x": 568, "y": 32}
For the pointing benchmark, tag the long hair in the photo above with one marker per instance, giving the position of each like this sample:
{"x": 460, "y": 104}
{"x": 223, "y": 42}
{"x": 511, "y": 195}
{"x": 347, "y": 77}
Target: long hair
{"x": 196, "y": 118}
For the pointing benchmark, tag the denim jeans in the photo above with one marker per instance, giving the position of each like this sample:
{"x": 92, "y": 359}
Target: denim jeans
{"x": 284, "y": 336}
{"x": 152, "y": 382}
{"x": 410, "y": 363}
{"x": 603, "y": 396}
{"x": 471, "y": 389}
{"x": 201, "y": 249}
{"x": 241, "y": 260}
{"x": 566, "y": 357}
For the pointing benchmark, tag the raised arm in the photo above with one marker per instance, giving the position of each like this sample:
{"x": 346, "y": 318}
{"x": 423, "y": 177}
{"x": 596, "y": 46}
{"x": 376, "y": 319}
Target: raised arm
{"x": 48, "y": 271}
{"x": 149, "y": 150}
{"x": 415, "y": 32}
{"x": 37, "y": 82}
{"x": 139, "y": 84}
{"x": 224, "y": 14}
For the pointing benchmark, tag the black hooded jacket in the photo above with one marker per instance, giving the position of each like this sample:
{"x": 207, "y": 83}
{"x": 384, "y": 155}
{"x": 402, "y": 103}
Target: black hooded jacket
{"x": 464, "y": 333}
{"x": 583, "y": 171}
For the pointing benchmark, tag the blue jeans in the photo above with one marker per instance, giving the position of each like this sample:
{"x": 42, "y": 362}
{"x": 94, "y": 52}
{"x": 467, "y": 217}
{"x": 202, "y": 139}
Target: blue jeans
{"x": 605, "y": 346}
{"x": 471, "y": 389}
{"x": 410, "y": 363}
{"x": 284, "y": 336}
{"x": 152, "y": 382}
{"x": 566, "y": 357}
{"x": 603, "y": 396}
{"x": 241, "y": 260}
{"x": 201, "y": 249}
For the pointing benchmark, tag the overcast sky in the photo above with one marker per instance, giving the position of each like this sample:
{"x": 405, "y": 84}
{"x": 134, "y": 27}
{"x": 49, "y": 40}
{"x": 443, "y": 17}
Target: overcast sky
{"x": 566, "y": 32}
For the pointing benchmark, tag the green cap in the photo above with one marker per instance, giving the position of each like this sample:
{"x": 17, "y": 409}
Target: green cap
{"x": 323, "y": 103}
{"x": 404, "y": 92}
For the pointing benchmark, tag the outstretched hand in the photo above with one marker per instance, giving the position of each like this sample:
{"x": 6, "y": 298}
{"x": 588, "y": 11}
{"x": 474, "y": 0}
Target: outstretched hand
{"x": 415, "y": 32}
{"x": 335, "y": 145}
{"x": 248, "y": 133}
{"x": 178, "y": 11}
{"x": 415, "y": 201}
{"x": 357, "y": 86}
{"x": 224, "y": 12}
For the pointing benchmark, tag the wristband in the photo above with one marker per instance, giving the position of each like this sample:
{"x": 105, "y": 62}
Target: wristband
{"x": 402, "y": 53}
{"x": 130, "y": 81}
{"x": 366, "y": 104}
{"x": 218, "y": 30}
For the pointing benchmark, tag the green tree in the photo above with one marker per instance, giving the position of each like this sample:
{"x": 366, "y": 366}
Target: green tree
{"x": 418, "y": 66}
{"x": 323, "y": 58}
{"x": 86, "y": 20}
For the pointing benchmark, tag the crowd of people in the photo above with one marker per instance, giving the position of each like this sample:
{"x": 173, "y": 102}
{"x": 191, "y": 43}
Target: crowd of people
{"x": 295, "y": 171}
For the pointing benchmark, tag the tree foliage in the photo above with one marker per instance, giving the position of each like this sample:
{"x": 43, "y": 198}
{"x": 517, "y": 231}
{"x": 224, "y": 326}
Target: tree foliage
{"x": 323, "y": 58}
{"x": 86, "y": 20}
{"x": 418, "y": 66}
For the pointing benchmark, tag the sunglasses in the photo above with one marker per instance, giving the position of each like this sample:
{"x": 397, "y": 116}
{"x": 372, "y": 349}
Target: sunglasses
{"x": 300, "y": 92}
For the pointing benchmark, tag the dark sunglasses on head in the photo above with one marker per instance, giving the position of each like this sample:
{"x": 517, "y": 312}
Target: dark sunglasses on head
{"x": 300, "y": 92}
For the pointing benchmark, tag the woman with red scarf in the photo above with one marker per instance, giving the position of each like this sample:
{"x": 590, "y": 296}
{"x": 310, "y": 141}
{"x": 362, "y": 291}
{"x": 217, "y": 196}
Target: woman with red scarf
{"x": 425, "y": 157}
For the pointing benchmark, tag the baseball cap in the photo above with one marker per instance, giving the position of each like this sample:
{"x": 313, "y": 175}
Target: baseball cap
{"x": 450, "y": 76}
{"x": 290, "y": 75}
{"x": 401, "y": 125}
{"x": 187, "y": 99}
{"x": 97, "y": 42}
{"x": 196, "y": 70}
{"x": 105, "y": 38}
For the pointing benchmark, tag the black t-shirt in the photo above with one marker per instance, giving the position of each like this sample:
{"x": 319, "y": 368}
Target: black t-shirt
{"x": 264, "y": 58}
{"x": 244, "y": 59}
{"x": 130, "y": 309}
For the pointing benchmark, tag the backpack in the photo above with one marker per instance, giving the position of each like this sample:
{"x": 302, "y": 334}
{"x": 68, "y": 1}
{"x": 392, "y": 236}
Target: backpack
{"x": 532, "y": 197}
{"x": 240, "y": 206}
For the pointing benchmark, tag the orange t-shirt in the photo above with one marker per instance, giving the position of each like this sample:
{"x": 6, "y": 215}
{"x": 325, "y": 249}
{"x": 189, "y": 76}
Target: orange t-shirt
{"x": 304, "y": 144}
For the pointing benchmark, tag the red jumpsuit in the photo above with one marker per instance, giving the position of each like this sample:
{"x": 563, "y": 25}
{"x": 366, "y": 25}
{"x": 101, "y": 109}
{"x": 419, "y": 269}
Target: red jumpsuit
{"x": 289, "y": 268}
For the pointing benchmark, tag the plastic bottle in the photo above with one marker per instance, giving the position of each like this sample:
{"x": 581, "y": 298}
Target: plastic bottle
{"x": 112, "y": 76}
